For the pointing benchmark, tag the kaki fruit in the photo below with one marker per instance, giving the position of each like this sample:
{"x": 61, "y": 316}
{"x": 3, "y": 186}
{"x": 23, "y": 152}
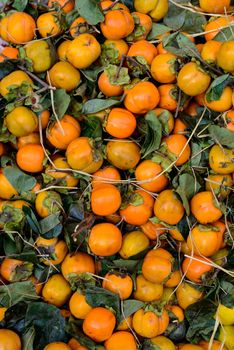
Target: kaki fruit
{"x": 157, "y": 266}
{"x": 18, "y": 78}
{"x": 214, "y": 6}
{"x": 78, "y": 305}
{"x": 121, "y": 340}
{"x": 133, "y": 243}
{"x": 48, "y": 24}
{"x": 9, "y": 340}
{"x": 118, "y": 283}
{"x": 76, "y": 264}
{"x": 221, "y": 159}
{"x": 205, "y": 208}
{"x": 120, "y": 19}
{"x": 168, "y": 208}
{"x": 57, "y": 346}
{"x": 148, "y": 324}
{"x": 120, "y": 123}
{"x": 40, "y": 54}
{"x": 56, "y": 290}
{"x": 64, "y": 76}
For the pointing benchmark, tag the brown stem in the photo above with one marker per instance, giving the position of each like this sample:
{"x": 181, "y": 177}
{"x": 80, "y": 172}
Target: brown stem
{"x": 136, "y": 63}
{"x": 120, "y": 66}
{"x": 33, "y": 76}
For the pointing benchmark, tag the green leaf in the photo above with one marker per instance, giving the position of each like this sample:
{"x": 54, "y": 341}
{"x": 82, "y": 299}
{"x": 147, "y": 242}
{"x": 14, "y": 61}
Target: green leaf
{"x": 157, "y": 30}
{"x": 225, "y": 34}
{"x": 28, "y": 339}
{"x": 90, "y": 10}
{"x": 188, "y": 186}
{"x": 61, "y": 102}
{"x": 48, "y": 323}
{"x": 32, "y": 220}
{"x": 117, "y": 76}
{"x": 20, "y": 5}
{"x": 223, "y": 136}
{"x": 49, "y": 223}
{"x": 15, "y": 292}
{"x": 20, "y": 181}
{"x": 92, "y": 73}
{"x": 73, "y": 328}
{"x": 217, "y": 86}
{"x": 97, "y": 105}
{"x": 92, "y": 127}
{"x": 130, "y": 306}
{"x": 180, "y": 45}
{"x": 175, "y": 17}
{"x": 193, "y": 22}
{"x": 153, "y": 134}
{"x": 6, "y": 68}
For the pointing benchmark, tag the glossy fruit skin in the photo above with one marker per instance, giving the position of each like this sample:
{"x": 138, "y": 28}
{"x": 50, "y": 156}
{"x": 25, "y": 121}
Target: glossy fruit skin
{"x": 64, "y": 76}
{"x": 6, "y": 188}
{"x": 221, "y": 160}
{"x": 139, "y": 209}
{"x": 105, "y": 199}
{"x": 66, "y": 177}
{"x": 121, "y": 340}
{"x": 216, "y": 345}
{"x": 60, "y": 251}
{"x": 134, "y": 242}
{"x": 60, "y": 135}
{"x": 192, "y": 80}
{"x": 225, "y": 56}
{"x": 177, "y": 311}
{"x": 160, "y": 10}
{"x": 148, "y": 170}
{"x": 105, "y": 175}
{"x": 48, "y": 202}
{"x": 226, "y": 336}
{"x": 107, "y": 88}
{"x": 157, "y": 265}
{"x": 163, "y": 343}
{"x": 120, "y": 123}
{"x": 17, "y": 28}
{"x": 162, "y": 68}
{"x": 78, "y": 26}
{"x": 79, "y": 306}
{"x": 210, "y": 50}
{"x": 204, "y": 240}
{"x": 203, "y": 207}
{"x": 195, "y": 270}
{"x": 8, "y": 268}
{"x": 30, "y": 158}
{"x": 223, "y": 104}
{"x": 143, "y": 48}
{"x": 77, "y": 263}
{"x": 83, "y": 51}
{"x": 62, "y": 50}
{"x": 21, "y": 121}
{"x": 105, "y": 239}
{"x": 177, "y": 145}
{"x": 8, "y": 52}
{"x": 141, "y": 98}
{"x": 17, "y": 78}
{"x": 147, "y": 291}
{"x": 40, "y": 54}
{"x": 187, "y": 295}
{"x": 216, "y": 23}
{"x": 120, "y": 19}
{"x": 57, "y": 346}
{"x": 225, "y": 315}
{"x": 48, "y": 24}
{"x": 214, "y": 6}
{"x": 99, "y": 324}
{"x": 9, "y": 340}
{"x": 148, "y": 324}
{"x": 173, "y": 209}
{"x": 191, "y": 347}
{"x": 56, "y": 290}
{"x": 145, "y": 6}
{"x": 145, "y": 22}
{"x": 174, "y": 279}
{"x": 123, "y": 154}
{"x": 81, "y": 155}
{"x": 168, "y": 98}
{"x": 118, "y": 283}
{"x": 34, "y": 138}
{"x": 2, "y": 313}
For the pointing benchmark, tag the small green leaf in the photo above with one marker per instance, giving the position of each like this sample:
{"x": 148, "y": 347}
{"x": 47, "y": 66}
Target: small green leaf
{"x": 97, "y": 105}
{"x": 15, "y": 292}
{"x": 180, "y": 45}
{"x": 157, "y": 30}
{"x": 20, "y": 5}
{"x": 20, "y": 181}
{"x": 225, "y": 34}
{"x": 217, "y": 86}
{"x": 32, "y": 220}
{"x": 61, "y": 102}
{"x": 28, "y": 339}
{"x": 48, "y": 224}
{"x": 90, "y": 10}
{"x": 223, "y": 136}
{"x": 153, "y": 134}
{"x": 188, "y": 186}
{"x": 130, "y": 306}
{"x": 92, "y": 127}
{"x": 117, "y": 76}
{"x": 6, "y": 68}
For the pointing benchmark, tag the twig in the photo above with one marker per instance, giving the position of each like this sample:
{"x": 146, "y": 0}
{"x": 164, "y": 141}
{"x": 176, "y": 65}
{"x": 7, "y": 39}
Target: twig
{"x": 40, "y": 81}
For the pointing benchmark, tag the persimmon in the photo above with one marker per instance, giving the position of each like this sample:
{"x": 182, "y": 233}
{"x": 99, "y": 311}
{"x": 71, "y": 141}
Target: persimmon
{"x": 142, "y": 97}
{"x": 160, "y": 10}
{"x": 18, "y": 78}
{"x": 64, "y": 76}
{"x": 125, "y": 324}
{"x": 148, "y": 175}
{"x": 62, "y": 50}
{"x": 33, "y": 138}
{"x": 21, "y": 121}
{"x": 204, "y": 207}
{"x": 48, "y": 24}
{"x": 123, "y": 154}
{"x": 223, "y": 104}
{"x": 57, "y": 345}
{"x": 138, "y": 209}
{"x": 2, "y": 313}
{"x": 105, "y": 199}
{"x": 48, "y": 202}
{"x": 210, "y": 51}
{"x": 107, "y": 88}
{"x": 178, "y": 146}
{"x": 56, "y": 290}
{"x": 120, "y": 19}
{"x": 145, "y": 23}
{"x": 166, "y": 118}
{"x": 66, "y": 177}
{"x": 77, "y": 263}
{"x": 121, "y": 340}
{"x": 187, "y": 294}
{"x": 59, "y": 251}
{"x": 168, "y": 208}
{"x": 177, "y": 311}
{"x": 7, "y": 190}
{"x": 30, "y": 158}
{"x": 229, "y": 120}
{"x": 17, "y": 27}
{"x": 8, "y": 52}
{"x": 191, "y": 109}
{"x": 147, "y": 291}
{"x": 78, "y": 26}
{"x": 134, "y": 242}
{"x": 214, "y": 6}
{"x": 190, "y": 347}
{"x": 157, "y": 265}
{"x": 105, "y": 239}
{"x": 220, "y": 184}
{"x": 143, "y": 48}
{"x": 118, "y": 283}
{"x": 174, "y": 279}
{"x": 168, "y": 97}
{"x": 163, "y": 343}
{"x": 9, "y": 340}
{"x": 120, "y": 123}
{"x": 99, "y": 324}
{"x": 113, "y": 50}
{"x": 66, "y": 5}
{"x": 196, "y": 270}
{"x": 163, "y": 68}
{"x": 78, "y": 305}
{"x": 213, "y": 27}
{"x": 153, "y": 230}
{"x": 216, "y": 345}
{"x": 148, "y": 324}
{"x": 36, "y": 283}
{"x": 179, "y": 127}
{"x": 39, "y": 53}
{"x": 221, "y": 160}
{"x": 14, "y": 270}
{"x": 105, "y": 175}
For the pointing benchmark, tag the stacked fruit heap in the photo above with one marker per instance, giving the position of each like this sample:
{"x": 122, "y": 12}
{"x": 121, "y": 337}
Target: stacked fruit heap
{"x": 116, "y": 180}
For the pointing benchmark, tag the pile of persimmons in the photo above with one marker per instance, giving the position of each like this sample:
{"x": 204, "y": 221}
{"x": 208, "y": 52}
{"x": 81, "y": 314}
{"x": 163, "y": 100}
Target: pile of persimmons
{"x": 116, "y": 179}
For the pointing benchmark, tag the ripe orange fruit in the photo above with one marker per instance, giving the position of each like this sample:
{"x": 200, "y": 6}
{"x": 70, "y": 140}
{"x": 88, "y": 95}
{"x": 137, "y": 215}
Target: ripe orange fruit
{"x": 62, "y": 50}
{"x": 195, "y": 270}
{"x": 105, "y": 239}
{"x": 99, "y": 324}
{"x": 157, "y": 265}
{"x": 105, "y": 175}
{"x": 21, "y": 121}
{"x": 107, "y": 88}
{"x": 30, "y": 158}
{"x": 66, "y": 5}
{"x": 57, "y": 345}
{"x": 145, "y": 23}
{"x": 214, "y": 26}
{"x": 134, "y": 242}
{"x": 17, "y": 79}
{"x": 210, "y": 50}
{"x": 224, "y": 103}
{"x": 221, "y": 160}
{"x": 79, "y": 306}
{"x": 13, "y": 270}
{"x": 9, "y": 340}
{"x": 147, "y": 291}
{"x": 212, "y": 6}
{"x": 118, "y": 283}
{"x": 78, "y": 26}
{"x": 176, "y": 145}
{"x": 229, "y": 120}
{"x": 180, "y": 127}
{"x": 225, "y": 56}
{"x": 168, "y": 97}
{"x": 120, "y": 19}
{"x": 48, "y": 202}
{"x": 56, "y": 290}
{"x": 216, "y": 345}
{"x": 120, "y": 123}
{"x": 123, "y": 154}
{"x": 142, "y": 97}
{"x": 48, "y": 24}
{"x": 105, "y": 199}
{"x": 148, "y": 324}
{"x": 148, "y": 170}
{"x": 113, "y": 50}
{"x": 77, "y": 263}
{"x": 83, "y": 51}
{"x": 220, "y": 184}
{"x": 17, "y": 27}
{"x": 204, "y": 207}
{"x": 6, "y": 188}
{"x": 8, "y": 52}
{"x": 121, "y": 340}
{"x": 187, "y": 295}
{"x": 64, "y": 76}
{"x": 143, "y": 48}
{"x": 152, "y": 230}
{"x": 163, "y": 68}
{"x": 168, "y": 207}
{"x": 34, "y": 138}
